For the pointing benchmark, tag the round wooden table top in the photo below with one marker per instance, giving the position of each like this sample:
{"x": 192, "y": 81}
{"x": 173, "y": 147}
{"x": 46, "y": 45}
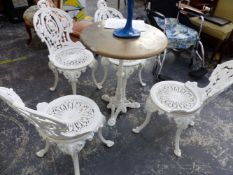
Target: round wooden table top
{"x": 101, "y": 41}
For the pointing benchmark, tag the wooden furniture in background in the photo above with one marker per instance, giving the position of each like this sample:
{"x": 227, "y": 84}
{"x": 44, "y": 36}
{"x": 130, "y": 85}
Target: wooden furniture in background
{"x": 221, "y": 34}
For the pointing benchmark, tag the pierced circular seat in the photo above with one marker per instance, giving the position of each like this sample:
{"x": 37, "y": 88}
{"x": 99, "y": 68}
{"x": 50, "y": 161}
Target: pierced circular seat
{"x": 174, "y": 96}
{"x": 74, "y": 58}
{"x": 81, "y": 114}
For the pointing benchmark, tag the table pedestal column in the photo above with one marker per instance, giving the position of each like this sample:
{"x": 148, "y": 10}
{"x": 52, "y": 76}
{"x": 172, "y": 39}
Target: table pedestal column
{"x": 119, "y": 103}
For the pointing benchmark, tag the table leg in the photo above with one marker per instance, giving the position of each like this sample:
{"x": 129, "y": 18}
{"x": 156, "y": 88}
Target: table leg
{"x": 119, "y": 103}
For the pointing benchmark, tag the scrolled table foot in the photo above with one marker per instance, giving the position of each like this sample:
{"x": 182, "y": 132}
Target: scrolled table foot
{"x": 133, "y": 105}
{"x": 112, "y": 121}
{"x": 105, "y": 98}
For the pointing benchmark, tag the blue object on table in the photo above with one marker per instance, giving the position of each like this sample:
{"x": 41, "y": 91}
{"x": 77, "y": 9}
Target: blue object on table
{"x": 128, "y": 31}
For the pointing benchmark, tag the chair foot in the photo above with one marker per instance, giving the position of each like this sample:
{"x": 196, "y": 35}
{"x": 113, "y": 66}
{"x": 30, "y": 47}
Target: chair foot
{"x": 108, "y": 143}
{"x": 42, "y": 152}
{"x": 136, "y": 130}
{"x": 144, "y": 124}
{"x": 177, "y": 152}
{"x": 52, "y": 89}
{"x": 99, "y": 86}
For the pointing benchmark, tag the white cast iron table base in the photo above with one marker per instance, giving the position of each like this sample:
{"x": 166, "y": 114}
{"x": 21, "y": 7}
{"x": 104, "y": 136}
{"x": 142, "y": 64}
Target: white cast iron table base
{"x": 119, "y": 102}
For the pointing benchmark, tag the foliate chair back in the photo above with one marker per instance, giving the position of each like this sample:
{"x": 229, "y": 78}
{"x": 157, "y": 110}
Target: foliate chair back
{"x": 53, "y": 26}
{"x": 104, "y": 12}
{"x": 44, "y": 4}
{"x": 46, "y": 125}
{"x": 220, "y": 79}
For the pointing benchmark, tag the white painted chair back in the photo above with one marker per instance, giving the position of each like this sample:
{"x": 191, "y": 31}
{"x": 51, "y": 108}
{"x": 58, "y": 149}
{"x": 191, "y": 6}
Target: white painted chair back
{"x": 44, "y": 123}
{"x": 44, "y": 4}
{"x": 104, "y": 12}
{"x": 220, "y": 79}
{"x": 53, "y": 26}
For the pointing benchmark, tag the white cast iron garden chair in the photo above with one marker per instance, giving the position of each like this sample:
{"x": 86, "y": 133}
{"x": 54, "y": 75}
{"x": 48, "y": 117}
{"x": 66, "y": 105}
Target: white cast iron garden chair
{"x": 67, "y": 122}
{"x": 183, "y": 101}
{"x": 54, "y": 26}
{"x": 104, "y": 12}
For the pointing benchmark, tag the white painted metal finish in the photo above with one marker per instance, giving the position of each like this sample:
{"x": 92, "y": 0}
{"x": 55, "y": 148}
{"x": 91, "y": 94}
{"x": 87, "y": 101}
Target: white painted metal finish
{"x": 67, "y": 122}
{"x": 183, "y": 101}
{"x": 104, "y": 12}
{"x": 125, "y": 68}
{"x": 54, "y": 26}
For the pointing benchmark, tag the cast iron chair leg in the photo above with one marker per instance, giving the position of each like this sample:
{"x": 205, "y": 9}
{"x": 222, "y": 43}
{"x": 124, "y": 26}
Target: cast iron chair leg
{"x": 56, "y": 76}
{"x": 42, "y": 152}
{"x": 75, "y": 163}
{"x": 144, "y": 124}
{"x": 74, "y": 87}
{"x": 109, "y": 143}
{"x": 140, "y": 75}
{"x": 182, "y": 124}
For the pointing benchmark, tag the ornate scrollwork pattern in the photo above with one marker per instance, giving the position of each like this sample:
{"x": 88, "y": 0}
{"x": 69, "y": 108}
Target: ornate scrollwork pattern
{"x": 44, "y": 4}
{"x": 104, "y": 12}
{"x": 176, "y": 97}
{"x": 53, "y": 26}
{"x": 76, "y": 113}
{"x": 220, "y": 79}
{"x": 73, "y": 58}
{"x": 72, "y": 75}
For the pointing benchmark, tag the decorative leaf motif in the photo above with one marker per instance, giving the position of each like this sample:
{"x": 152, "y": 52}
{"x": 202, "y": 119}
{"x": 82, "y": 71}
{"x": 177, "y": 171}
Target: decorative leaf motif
{"x": 220, "y": 79}
{"x": 53, "y": 26}
{"x": 104, "y": 12}
{"x": 176, "y": 97}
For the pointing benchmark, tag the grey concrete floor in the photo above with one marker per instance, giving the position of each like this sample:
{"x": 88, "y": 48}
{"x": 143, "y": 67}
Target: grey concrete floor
{"x": 207, "y": 148}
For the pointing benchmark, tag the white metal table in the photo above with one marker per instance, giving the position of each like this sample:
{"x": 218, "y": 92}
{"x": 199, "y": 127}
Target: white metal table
{"x": 101, "y": 41}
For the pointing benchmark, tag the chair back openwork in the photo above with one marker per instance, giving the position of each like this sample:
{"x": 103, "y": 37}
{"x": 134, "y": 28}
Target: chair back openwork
{"x": 47, "y": 125}
{"x": 44, "y": 4}
{"x": 220, "y": 79}
{"x": 104, "y": 12}
{"x": 53, "y": 26}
